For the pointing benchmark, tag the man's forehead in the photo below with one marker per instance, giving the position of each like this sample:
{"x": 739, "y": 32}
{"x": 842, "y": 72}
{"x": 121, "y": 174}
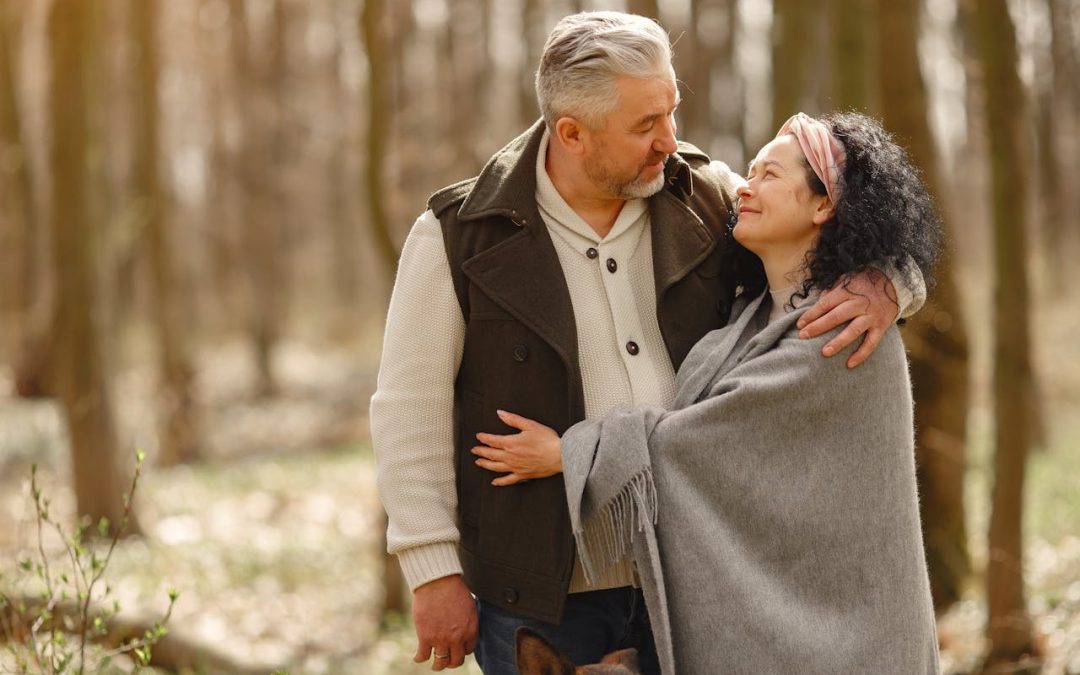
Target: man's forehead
{"x": 639, "y": 95}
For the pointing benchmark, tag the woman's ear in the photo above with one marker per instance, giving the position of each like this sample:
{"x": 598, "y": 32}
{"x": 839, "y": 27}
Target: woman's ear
{"x": 823, "y": 211}
{"x": 570, "y": 134}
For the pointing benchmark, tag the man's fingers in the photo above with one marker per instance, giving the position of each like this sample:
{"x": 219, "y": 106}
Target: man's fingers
{"x": 854, "y": 329}
{"x": 508, "y": 479}
{"x": 823, "y": 306}
{"x": 457, "y": 655}
{"x": 423, "y": 651}
{"x": 873, "y": 337}
{"x": 840, "y": 314}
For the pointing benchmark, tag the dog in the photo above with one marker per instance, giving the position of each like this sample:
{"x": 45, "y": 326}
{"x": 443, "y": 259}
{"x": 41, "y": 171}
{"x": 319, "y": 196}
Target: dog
{"x": 537, "y": 656}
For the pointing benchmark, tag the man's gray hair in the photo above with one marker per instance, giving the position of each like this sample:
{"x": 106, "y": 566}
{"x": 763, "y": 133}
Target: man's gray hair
{"x": 586, "y": 52}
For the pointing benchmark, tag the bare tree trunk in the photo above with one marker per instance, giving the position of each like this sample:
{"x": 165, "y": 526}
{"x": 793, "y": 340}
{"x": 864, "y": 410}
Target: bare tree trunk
{"x": 852, "y": 56}
{"x": 731, "y": 111}
{"x": 1009, "y": 627}
{"x": 79, "y": 369}
{"x": 936, "y": 336}
{"x": 452, "y": 84}
{"x": 793, "y": 34}
{"x": 695, "y": 55}
{"x": 344, "y": 232}
{"x": 1055, "y": 95}
{"x": 532, "y": 15}
{"x": 371, "y": 21}
{"x": 26, "y": 306}
{"x": 260, "y": 221}
{"x": 177, "y": 425}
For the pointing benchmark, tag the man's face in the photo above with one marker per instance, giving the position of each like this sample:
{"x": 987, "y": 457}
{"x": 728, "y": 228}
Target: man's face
{"x": 625, "y": 158}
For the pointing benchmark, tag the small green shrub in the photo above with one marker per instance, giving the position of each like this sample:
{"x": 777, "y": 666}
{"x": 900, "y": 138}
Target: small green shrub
{"x": 67, "y": 622}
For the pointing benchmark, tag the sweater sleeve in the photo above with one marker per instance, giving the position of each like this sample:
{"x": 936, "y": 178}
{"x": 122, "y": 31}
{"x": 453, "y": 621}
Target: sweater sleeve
{"x": 412, "y": 411}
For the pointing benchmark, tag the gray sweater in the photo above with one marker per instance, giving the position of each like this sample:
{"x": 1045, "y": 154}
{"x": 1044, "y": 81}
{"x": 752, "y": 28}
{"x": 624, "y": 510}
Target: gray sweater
{"x": 772, "y": 512}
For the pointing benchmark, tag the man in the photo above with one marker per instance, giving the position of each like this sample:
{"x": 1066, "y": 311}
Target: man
{"x": 572, "y": 275}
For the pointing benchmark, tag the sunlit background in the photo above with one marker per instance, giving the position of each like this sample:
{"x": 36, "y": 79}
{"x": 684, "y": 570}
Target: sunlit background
{"x": 201, "y": 205}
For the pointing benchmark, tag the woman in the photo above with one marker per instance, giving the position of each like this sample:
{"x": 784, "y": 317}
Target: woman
{"x": 772, "y": 512}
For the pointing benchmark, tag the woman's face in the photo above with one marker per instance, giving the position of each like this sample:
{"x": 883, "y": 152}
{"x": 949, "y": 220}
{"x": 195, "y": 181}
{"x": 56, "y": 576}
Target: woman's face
{"x": 777, "y": 209}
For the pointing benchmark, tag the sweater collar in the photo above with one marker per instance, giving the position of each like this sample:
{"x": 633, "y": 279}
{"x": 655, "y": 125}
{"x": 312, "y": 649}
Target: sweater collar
{"x": 561, "y": 215}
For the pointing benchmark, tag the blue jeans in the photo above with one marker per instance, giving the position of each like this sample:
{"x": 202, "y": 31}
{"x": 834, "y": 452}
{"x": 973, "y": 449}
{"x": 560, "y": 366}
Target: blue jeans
{"x": 594, "y": 624}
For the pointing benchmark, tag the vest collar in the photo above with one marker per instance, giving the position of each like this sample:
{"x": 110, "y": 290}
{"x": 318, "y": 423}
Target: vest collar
{"x": 507, "y": 184}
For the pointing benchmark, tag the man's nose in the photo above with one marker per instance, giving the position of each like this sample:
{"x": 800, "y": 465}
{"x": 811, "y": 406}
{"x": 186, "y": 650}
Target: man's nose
{"x": 666, "y": 142}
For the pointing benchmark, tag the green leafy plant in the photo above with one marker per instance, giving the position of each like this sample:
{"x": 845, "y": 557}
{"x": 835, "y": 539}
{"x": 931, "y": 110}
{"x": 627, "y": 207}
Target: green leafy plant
{"x": 68, "y": 623}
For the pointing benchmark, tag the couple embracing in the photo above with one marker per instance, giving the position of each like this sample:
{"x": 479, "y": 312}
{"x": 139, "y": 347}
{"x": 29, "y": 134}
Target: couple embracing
{"x": 623, "y": 399}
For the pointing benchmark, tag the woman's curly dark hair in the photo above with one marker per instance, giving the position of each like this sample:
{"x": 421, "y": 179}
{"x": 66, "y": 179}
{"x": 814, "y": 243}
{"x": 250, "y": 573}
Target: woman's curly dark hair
{"x": 884, "y": 211}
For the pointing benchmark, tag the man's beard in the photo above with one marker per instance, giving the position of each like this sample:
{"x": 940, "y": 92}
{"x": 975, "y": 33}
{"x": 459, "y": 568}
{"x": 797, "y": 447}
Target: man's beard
{"x": 636, "y": 187}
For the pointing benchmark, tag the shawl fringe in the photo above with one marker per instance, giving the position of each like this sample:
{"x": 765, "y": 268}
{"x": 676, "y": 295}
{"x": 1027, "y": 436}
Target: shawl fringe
{"x": 607, "y": 537}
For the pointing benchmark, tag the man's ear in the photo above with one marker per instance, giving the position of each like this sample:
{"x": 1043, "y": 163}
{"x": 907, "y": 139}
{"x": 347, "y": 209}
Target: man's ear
{"x": 570, "y": 134}
{"x": 536, "y": 656}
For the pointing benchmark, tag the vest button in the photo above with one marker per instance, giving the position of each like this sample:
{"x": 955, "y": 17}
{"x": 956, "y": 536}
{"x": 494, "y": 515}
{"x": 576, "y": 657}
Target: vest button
{"x": 510, "y": 595}
{"x": 612, "y": 265}
{"x": 521, "y": 352}
{"x": 591, "y": 253}
{"x": 633, "y": 348}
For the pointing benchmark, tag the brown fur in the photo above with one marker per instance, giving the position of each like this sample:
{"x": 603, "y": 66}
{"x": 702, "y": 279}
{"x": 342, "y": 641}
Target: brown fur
{"x": 536, "y": 656}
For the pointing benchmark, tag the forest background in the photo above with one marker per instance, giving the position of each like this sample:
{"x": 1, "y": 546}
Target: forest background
{"x": 201, "y": 206}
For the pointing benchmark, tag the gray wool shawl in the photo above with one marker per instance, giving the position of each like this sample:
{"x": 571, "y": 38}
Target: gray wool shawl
{"x": 772, "y": 513}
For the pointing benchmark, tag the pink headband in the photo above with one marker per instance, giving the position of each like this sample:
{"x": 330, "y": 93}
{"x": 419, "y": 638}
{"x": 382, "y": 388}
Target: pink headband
{"x": 824, "y": 153}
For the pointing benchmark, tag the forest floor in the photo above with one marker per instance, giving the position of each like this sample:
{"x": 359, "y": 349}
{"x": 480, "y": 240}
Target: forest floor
{"x": 273, "y": 541}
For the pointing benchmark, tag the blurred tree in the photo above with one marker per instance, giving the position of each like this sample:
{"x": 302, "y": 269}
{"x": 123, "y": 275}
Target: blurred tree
{"x": 730, "y": 106}
{"x": 79, "y": 369}
{"x": 853, "y": 53}
{"x": 372, "y": 32}
{"x": 1056, "y": 93}
{"x": 793, "y": 54}
{"x": 26, "y": 305}
{"x": 936, "y": 337}
{"x": 695, "y": 56}
{"x": 454, "y": 82}
{"x": 178, "y": 433}
{"x": 532, "y": 29}
{"x": 1009, "y": 627}
{"x": 649, "y": 8}
{"x": 260, "y": 196}
{"x": 344, "y": 231}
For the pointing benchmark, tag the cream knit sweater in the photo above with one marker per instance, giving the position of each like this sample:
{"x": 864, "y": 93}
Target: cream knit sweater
{"x": 412, "y": 409}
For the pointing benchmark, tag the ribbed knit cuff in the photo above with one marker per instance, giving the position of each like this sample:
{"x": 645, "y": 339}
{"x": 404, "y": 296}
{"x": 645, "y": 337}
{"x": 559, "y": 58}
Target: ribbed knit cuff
{"x": 428, "y": 563}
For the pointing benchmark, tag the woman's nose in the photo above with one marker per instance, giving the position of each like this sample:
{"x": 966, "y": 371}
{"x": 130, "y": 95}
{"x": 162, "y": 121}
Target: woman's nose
{"x": 743, "y": 191}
